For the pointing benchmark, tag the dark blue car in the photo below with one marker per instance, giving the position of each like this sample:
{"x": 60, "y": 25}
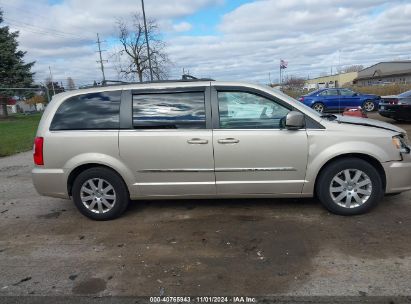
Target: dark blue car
{"x": 338, "y": 99}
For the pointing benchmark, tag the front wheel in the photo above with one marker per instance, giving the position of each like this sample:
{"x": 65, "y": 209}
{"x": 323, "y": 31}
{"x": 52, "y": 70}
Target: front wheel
{"x": 100, "y": 194}
{"x": 349, "y": 186}
{"x": 368, "y": 106}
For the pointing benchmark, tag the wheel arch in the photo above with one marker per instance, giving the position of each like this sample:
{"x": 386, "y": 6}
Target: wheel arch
{"x": 370, "y": 159}
{"x": 81, "y": 168}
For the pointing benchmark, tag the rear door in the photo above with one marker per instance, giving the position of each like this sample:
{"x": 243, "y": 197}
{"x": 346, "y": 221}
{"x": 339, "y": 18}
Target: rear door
{"x": 253, "y": 154}
{"x": 168, "y": 144}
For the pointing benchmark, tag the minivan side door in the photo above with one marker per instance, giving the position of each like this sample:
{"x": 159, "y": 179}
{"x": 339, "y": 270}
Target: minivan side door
{"x": 253, "y": 153}
{"x": 168, "y": 144}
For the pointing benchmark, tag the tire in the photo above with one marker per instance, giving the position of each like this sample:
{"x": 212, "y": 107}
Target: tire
{"x": 369, "y": 106}
{"x": 319, "y": 107}
{"x": 334, "y": 201}
{"x": 104, "y": 203}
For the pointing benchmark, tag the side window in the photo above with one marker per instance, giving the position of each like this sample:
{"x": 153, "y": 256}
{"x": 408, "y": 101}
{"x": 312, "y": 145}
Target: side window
{"x": 346, "y": 92}
{"x": 242, "y": 110}
{"x": 329, "y": 93}
{"x": 184, "y": 110}
{"x": 94, "y": 111}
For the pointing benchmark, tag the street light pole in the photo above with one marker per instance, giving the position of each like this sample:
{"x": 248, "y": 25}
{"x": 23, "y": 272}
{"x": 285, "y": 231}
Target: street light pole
{"x": 148, "y": 46}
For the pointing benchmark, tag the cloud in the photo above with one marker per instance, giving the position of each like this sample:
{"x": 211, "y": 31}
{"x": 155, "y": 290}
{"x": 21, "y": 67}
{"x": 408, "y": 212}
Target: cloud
{"x": 182, "y": 27}
{"x": 246, "y": 43}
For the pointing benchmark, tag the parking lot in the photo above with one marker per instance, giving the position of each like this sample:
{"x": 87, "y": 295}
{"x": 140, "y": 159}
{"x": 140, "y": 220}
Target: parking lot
{"x": 199, "y": 247}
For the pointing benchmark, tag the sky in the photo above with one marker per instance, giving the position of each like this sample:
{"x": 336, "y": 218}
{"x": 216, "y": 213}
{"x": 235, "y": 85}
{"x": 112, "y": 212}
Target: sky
{"x": 240, "y": 40}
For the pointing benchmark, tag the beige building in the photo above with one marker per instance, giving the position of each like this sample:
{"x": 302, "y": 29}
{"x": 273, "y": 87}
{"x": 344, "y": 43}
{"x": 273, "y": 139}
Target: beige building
{"x": 331, "y": 81}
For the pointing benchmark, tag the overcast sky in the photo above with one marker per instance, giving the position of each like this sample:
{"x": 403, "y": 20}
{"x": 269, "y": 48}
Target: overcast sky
{"x": 222, "y": 39}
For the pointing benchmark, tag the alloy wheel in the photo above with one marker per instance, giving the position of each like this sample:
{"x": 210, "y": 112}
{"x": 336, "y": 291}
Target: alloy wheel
{"x": 369, "y": 106}
{"x": 318, "y": 107}
{"x": 350, "y": 188}
{"x": 98, "y": 195}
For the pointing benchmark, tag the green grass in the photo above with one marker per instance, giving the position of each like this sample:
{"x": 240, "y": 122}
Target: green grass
{"x": 17, "y": 133}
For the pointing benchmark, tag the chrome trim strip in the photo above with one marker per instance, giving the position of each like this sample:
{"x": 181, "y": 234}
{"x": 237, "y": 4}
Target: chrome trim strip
{"x": 174, "y": 170}
{"x": 218, "y": 170}
{"x": 261, "y": 182}
{"x": 255, "y": 169}
{"x": 174, "y": 183}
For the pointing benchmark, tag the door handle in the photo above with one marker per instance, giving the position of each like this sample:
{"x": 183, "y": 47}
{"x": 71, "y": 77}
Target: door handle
{"x": 197, "y": 141}
{"x": 228, "y": 141}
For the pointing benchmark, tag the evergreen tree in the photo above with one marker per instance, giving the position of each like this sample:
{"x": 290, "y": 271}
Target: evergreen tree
{"x": 14, "y": 72}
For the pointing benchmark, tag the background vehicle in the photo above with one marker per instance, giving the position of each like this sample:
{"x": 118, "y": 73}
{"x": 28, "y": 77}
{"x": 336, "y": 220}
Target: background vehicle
{"x": 208, "y": 139}
{"x": 331, "y": 99}
{"x": 397, "y": 107}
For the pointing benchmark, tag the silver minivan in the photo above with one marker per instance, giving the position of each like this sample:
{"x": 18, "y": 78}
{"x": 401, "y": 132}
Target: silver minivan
{"x": 103, "y": 146}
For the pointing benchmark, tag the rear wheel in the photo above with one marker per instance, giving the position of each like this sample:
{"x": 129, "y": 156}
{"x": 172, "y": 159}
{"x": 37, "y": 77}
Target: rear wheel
{"x": 319, "y": 107}
{"x": 368, "y": 106}
{"x": 100, "y": 194}
{"x": 349, "y": 186}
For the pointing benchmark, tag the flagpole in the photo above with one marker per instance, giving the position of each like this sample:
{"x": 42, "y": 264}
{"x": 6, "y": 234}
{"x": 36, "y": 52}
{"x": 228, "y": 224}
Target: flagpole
{"x": 280, "y": 74}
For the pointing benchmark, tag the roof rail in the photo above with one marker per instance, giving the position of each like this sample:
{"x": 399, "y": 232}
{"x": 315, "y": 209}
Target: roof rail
{"x": 105, "y": 83}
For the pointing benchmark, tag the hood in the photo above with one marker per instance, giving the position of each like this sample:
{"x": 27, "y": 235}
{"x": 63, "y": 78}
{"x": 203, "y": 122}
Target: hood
{"x": 368, "y": 123}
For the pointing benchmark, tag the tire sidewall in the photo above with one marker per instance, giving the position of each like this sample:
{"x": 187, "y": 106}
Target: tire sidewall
{"x": 122, "y": 198}
{"x": 337, "y": 166}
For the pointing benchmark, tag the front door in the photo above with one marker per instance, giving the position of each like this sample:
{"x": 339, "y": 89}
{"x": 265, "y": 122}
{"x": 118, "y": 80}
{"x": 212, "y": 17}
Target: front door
{"x": 253, "y": 154}
{"x": 169, "y": 145}
{"x": 349, "y": 98}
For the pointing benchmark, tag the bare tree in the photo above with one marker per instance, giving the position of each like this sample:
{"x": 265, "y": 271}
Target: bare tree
{"x": 351, "y": 68}
{"x": 70, "y": 84}
{"x": 132, "y": 57}
{"x": 294, "y": 81}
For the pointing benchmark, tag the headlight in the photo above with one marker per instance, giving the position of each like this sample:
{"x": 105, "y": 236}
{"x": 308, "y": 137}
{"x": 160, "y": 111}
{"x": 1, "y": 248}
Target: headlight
{"x": 400, "y": 142}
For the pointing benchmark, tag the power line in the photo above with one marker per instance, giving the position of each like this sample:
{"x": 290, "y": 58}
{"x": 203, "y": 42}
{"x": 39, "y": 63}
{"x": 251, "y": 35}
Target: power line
{"x": 101, "y": 59}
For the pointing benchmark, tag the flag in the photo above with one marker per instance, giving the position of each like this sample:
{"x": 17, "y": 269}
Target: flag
{"x": 283, "y": 64}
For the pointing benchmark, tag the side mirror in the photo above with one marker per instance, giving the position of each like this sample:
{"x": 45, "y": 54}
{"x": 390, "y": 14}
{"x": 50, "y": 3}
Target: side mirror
{"x": 294, "y": 120}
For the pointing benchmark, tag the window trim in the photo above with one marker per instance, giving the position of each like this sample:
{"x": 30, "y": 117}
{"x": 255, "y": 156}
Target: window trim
{"x": 309, "y": 122}
{"x": 86, "y": 129}
{"x": 215, "y": 107}
{"x": 195, "y": 89}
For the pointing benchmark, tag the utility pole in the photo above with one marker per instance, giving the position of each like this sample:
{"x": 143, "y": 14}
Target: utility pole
{"x": 101, "y": 58}
{"x": 52, "y": 82}
{"x": 148, "y": 46}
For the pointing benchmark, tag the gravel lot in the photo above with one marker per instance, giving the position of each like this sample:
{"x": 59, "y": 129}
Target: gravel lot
{"x": 199, "y": 247}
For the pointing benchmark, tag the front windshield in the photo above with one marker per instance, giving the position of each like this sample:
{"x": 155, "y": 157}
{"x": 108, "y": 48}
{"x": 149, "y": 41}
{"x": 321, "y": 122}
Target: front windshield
{"x": 405, "y": 94}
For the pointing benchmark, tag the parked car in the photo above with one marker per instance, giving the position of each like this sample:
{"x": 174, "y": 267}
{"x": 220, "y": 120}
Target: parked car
{"x": 397, "y": 107}
{"x": 331, "y": 99}
{"x": 103, "y": 146}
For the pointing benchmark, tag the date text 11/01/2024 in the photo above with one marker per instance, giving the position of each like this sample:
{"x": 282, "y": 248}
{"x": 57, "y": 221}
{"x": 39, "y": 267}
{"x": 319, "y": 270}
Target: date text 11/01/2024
{"x": 171, "y": 299}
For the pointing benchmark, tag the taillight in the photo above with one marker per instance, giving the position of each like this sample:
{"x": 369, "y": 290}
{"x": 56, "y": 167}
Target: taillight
{"x": 301, "y": 99}
{"x": 393, "y": 101}
{"x": 38, "y": 151}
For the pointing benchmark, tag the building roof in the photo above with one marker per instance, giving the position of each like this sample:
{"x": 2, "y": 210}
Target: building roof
{"x": 384, "y": 69}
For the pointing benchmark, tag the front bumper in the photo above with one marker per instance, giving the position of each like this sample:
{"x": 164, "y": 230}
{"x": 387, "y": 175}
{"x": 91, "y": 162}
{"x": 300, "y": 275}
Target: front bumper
{"x": 398, "y": 174}
{"x": 50, "y": 182}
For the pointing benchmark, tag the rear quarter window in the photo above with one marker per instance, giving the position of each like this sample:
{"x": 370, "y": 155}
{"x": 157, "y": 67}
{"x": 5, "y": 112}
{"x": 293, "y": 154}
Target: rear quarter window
{"x": 93, "y": 111}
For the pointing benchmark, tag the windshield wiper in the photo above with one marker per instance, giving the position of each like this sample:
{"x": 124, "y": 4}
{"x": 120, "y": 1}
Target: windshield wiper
{"x": 329, "y": 116}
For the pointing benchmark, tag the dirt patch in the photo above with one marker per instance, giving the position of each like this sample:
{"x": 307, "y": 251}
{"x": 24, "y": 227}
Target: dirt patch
{"x": 90, "y": 286}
